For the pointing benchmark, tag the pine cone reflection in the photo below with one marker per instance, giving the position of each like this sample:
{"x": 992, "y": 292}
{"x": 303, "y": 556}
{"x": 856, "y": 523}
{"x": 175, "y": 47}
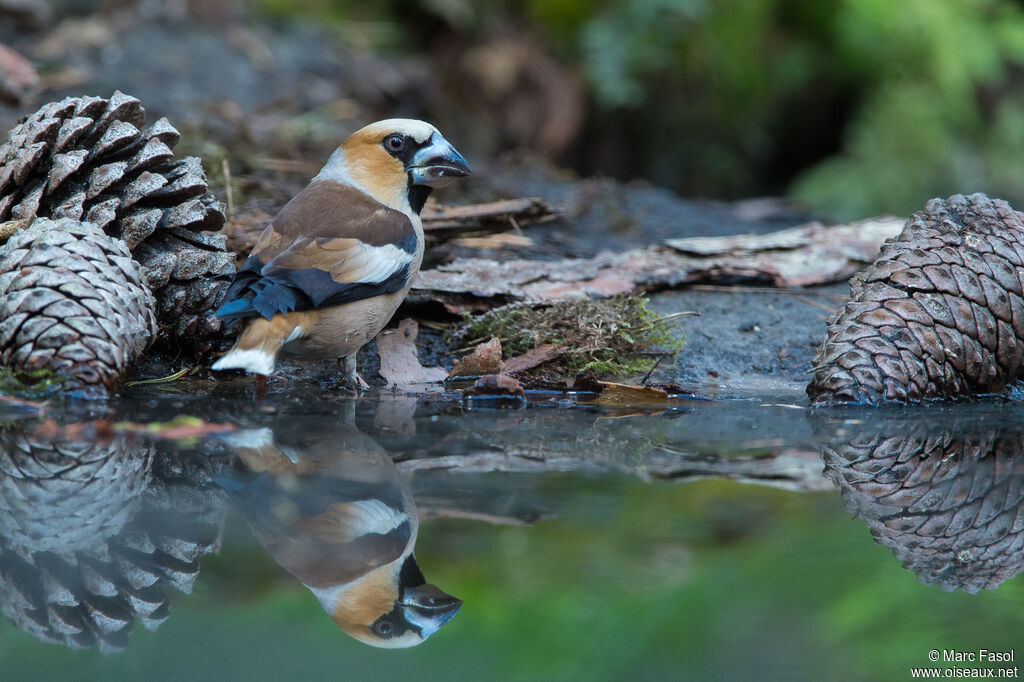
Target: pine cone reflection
{"x": 93, "y": 535}
{"x": 948, "y": 502}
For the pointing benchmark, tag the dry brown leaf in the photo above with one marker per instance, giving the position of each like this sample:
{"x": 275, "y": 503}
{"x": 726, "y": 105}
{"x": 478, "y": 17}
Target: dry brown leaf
{"x": 485, "y": 359}
{"x": 399, "y": 360}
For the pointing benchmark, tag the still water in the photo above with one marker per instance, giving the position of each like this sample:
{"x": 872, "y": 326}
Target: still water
{"x": 707, "y": 541}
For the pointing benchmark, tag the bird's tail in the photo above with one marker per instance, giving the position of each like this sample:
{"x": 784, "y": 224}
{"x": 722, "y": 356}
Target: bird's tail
{"x": 237, "y": 310}
{"x": 256, "y": 349}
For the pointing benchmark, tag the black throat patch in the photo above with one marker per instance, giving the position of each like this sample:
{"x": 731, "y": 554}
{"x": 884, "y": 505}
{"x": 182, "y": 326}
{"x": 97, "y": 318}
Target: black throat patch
{"x": 418, "y": 196}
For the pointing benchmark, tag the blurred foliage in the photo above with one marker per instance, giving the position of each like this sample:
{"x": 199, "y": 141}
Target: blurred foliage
{"x": 35, "y": 383}
{"x": 855, "y": 107}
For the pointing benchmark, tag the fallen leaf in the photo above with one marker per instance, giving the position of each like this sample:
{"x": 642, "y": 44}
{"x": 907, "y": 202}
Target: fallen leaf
{"x": 533, "y": 357}
{"x": 612, "y": 394}
{"x": 399, "y": 360}
{"x": 485, "y": 359}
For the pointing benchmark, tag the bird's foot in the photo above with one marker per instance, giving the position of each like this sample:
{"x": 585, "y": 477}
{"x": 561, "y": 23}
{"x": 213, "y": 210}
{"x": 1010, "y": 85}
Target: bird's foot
{"x": 358, "y": 383}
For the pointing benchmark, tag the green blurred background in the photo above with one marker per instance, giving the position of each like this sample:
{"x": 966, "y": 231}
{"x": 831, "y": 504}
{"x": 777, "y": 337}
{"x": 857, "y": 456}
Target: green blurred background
{"x": 851, "y": 107}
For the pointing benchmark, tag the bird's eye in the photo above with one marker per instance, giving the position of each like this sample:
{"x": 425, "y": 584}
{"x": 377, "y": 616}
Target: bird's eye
{"x": 383, "y": 628}
{"x": 394, "y": 143}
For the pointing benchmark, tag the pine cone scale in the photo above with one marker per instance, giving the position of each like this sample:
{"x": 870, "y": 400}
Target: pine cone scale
{"x": 50, "y": 327}
{"x": 71, "y": 131}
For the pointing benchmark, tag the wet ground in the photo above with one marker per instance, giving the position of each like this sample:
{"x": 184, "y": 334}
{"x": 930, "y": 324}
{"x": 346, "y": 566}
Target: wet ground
{"x": 707, "y": 540}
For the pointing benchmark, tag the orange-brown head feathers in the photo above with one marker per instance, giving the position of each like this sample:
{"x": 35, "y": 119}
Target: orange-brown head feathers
{"x": 397, "y": 161}
{"x": 390, "y": 607}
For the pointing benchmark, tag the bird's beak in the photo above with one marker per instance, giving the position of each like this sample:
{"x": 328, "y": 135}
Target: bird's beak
{"x": 428, "y": 608}
{"x": 437, "y": 164}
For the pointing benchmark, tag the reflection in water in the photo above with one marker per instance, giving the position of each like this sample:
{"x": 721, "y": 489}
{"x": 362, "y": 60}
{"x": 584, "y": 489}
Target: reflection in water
{"x": 94, "y": 532}
{"x": 331, "y": 508}
{"x": 946, "y": 499}
{"x": 92, "y": 535}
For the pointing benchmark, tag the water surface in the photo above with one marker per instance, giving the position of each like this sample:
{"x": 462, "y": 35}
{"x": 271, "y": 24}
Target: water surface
{"x": 706, "y": 540}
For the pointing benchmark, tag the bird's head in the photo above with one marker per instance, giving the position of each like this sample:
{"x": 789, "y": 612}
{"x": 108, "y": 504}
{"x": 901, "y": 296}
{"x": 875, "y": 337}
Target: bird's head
{"x": 398, "y": 161}
{"x": 393, "y": 607}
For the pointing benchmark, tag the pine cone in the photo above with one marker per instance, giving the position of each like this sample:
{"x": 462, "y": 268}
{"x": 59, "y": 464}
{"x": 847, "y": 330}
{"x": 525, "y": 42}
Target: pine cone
{"x": 72, "y": 300}
{"x": 88, "y": 158}
{"x": 939, "y": 314}
{"x": 949, "y": 504}
{"x": 93, "y": 535}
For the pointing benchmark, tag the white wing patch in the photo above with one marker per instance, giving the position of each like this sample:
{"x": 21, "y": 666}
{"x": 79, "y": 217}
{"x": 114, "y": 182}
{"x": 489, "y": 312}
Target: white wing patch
{"x": 379, "y": 263}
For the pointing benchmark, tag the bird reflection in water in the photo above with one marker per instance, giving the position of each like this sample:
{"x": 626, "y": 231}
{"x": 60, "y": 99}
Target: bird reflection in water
{"x": 332, "y": 509}
{"x": 946, "y": 498}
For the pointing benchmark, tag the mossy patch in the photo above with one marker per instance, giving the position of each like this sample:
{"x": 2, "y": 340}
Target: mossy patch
{"x": 610, "y": 337}
{"x": 36, "y": 383}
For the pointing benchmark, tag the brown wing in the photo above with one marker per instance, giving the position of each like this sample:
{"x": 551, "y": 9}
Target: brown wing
{"x": 329, "y": 245}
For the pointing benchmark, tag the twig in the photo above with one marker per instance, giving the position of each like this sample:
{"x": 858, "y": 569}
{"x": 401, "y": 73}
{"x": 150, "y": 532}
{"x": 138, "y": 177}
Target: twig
{"x": 816, "y": 304}
{"x": 761, "y": 290}
{"x": 286, "y": 166}
{"x": 515, "y": 225}
{"x": 226, "y": 168}
{"x": 683, "y": 313}
{"x": 161, "y": 380}
{"x": 651, "y": 371}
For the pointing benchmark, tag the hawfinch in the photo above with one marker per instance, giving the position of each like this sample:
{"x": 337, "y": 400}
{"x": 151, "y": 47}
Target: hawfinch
{"x": 331, "y": 268}
{"x": 335, "y": 513}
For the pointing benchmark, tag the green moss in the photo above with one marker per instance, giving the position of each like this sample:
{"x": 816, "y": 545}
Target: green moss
{"x": 610, "y": 337}
{"x": 37, "y": 383}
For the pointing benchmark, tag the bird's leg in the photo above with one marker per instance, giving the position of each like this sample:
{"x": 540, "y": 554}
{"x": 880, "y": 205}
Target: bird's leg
{"x": 353, "y": 375}
{"x": 259, "y": 387}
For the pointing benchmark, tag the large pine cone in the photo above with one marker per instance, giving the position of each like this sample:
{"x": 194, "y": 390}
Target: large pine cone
{"x": 939, "y": 314}
{"x": 93, "y": 536}
{"x": 949, "y": 504}
{"x": 72, "y": 300}
{"x": 88, "y": 158}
